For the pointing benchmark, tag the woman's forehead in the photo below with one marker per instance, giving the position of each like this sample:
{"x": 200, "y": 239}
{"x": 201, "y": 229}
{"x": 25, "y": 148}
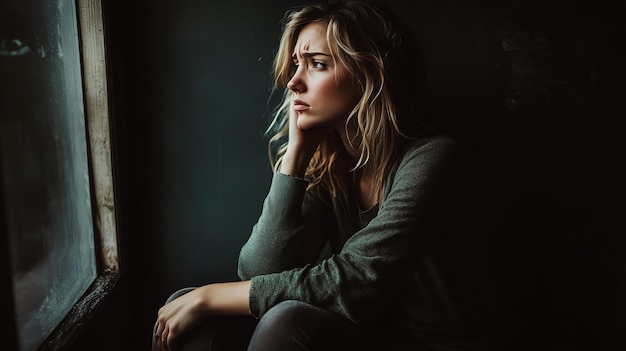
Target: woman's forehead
{"x": 312, "y": 38}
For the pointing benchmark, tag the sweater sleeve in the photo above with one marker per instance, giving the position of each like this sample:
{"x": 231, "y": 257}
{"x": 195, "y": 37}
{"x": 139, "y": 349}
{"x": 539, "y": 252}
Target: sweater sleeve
{"x": 290, "y": 232}
{"x": 361, "y": 281}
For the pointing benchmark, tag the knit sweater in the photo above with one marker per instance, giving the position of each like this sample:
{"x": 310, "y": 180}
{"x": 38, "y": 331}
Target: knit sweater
{"x": 414, "y": 266}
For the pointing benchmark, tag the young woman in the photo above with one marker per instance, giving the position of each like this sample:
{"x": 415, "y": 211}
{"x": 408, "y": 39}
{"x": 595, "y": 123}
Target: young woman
{"x": 364, "y": 240}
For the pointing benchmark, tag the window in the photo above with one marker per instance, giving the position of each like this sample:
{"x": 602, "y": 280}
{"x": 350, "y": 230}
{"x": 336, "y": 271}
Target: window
{"x": 57, "y": 207}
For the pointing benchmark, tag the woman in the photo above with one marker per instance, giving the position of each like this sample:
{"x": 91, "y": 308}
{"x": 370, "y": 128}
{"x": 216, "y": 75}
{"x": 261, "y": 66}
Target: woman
{"x": 358, "y": 177}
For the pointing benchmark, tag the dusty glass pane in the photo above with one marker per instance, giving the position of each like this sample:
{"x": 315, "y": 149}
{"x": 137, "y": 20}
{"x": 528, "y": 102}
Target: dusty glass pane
{"x": 44, "y": 163}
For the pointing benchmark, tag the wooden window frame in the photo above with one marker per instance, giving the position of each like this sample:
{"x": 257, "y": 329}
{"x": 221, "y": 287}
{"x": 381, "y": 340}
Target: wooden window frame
{"x": 97, "y": 118}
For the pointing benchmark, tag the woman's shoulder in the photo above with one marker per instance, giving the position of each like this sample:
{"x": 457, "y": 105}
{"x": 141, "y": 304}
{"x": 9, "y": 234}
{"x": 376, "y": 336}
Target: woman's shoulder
{"x": 429, "y": 155}
{"x": 425, "y": 159}
{"x": 431, "y": 146}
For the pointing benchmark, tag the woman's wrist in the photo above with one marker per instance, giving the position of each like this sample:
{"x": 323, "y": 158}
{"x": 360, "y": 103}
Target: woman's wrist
{"x": 294, "y": 164}
{"x": 227, "y": 298}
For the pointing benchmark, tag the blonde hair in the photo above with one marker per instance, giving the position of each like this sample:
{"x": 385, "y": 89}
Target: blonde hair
{"x": 370, "y": 45}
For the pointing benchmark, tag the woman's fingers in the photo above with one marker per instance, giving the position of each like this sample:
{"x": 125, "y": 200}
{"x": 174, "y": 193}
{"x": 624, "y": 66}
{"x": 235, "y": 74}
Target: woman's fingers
{"x": 161, "y": 330}
{"x": 173, "y": 319}
{"x": 157, "y": 331}
{"x": 164, "y": 339}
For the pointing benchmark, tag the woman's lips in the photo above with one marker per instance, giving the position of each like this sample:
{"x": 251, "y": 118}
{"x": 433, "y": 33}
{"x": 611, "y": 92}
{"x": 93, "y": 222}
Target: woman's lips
{"x": 299, "y": 105}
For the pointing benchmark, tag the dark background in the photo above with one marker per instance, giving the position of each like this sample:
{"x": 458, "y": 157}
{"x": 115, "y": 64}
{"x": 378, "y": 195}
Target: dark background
{"x": 534, "y": 90}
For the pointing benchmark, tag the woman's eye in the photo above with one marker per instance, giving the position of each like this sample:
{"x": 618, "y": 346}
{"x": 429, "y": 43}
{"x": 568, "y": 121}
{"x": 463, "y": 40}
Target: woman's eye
{"x": 319, "y": 65}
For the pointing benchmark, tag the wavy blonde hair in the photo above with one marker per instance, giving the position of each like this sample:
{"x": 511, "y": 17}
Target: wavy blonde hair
{"x": 368, "y": 42}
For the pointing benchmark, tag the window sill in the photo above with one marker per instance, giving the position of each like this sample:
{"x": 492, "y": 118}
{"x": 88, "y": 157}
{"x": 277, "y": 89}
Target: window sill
{"x": 82, "y": 312}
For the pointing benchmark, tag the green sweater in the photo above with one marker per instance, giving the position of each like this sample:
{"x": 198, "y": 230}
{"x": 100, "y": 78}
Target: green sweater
{"x": 414, "y": 267}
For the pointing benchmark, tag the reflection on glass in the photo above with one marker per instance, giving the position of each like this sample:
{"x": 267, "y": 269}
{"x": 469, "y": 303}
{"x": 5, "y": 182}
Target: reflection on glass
{"x": 44, "y": 163}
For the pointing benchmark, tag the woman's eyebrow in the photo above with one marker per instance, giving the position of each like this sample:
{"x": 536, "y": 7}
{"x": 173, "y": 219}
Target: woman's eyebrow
{"x": 307, "y": 54}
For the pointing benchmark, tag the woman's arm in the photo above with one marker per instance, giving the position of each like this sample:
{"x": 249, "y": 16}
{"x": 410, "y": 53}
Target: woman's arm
{"x": 292, "y": 228}
{"x": 290, "y": 232}
{"x": 186, "y": 311}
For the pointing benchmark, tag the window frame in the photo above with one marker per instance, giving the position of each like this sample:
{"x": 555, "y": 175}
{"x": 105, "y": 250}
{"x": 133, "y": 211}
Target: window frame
{"x": 94, "y": 63}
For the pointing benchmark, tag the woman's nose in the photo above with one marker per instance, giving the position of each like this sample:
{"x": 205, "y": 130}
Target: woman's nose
{"x": 296, "y": 82}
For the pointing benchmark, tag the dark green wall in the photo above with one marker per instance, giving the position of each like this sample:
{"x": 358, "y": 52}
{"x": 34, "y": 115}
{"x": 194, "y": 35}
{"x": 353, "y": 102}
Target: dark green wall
{"x": 211, "y": 69}
{"x": 529, "y": 87}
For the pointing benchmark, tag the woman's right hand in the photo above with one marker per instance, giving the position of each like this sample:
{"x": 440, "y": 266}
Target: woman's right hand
{"x": 302, "y": 144}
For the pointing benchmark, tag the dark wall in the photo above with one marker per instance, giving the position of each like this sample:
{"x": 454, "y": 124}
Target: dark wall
{"x": 530, "y": 88}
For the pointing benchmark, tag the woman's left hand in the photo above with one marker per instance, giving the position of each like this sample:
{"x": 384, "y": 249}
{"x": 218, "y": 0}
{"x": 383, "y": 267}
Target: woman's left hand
{"x": 179, "y": 316}
{"x": 185, "y": 312}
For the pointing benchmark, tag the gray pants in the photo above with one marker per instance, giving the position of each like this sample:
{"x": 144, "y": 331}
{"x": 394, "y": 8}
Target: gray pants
{"x": 290, "y": 325}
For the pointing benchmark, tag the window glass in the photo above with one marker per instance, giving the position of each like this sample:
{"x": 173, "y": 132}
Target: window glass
{"x": 44, "y": 163}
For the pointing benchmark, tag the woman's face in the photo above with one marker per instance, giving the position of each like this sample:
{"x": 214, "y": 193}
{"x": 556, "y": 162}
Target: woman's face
{"x": 323, "y": 92}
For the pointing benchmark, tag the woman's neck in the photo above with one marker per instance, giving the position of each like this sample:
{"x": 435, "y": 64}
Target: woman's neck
{"x": 365, "y": 189}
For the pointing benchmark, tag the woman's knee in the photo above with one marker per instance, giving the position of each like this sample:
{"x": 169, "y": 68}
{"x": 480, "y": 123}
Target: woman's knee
{"x": 280, "y": 319}
{"x": 280, "y": 327}
{"x": 295, "y": 325}
{"x": 290, "y": 310}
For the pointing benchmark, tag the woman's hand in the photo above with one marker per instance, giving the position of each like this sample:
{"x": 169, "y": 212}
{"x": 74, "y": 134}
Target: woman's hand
{"x": 185, "y": 312}
{"x": 303, "y": 142}
{"x": 180, "y": 315}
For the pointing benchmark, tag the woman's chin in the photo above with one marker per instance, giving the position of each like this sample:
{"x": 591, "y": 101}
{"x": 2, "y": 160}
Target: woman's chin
{"x": 307, "y": 123}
